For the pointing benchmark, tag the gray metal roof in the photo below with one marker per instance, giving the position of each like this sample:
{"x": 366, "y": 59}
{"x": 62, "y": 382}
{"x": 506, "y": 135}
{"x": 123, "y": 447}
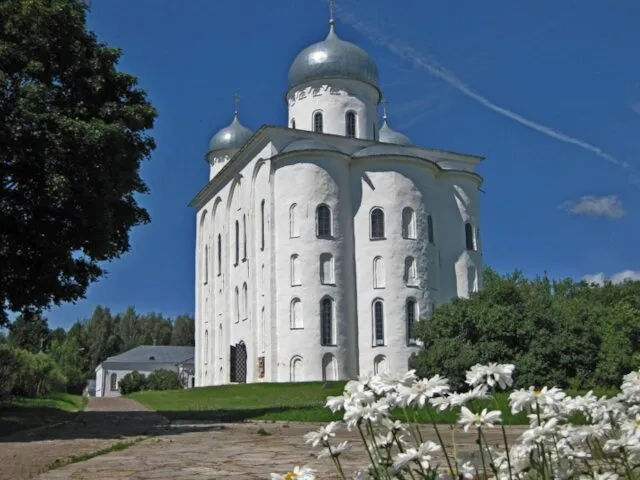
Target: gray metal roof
{"x": 154, "y": 354}
{"x": 388, "y": 135}
{"x": 333, "y": 58}
{"x": 232, "y": 136}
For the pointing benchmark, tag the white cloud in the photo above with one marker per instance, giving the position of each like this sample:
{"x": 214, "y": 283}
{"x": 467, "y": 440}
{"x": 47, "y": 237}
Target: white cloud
{"x": 599, "y": 278}
{"x": 607, "y": 206}
{"x": 410, "y": 53}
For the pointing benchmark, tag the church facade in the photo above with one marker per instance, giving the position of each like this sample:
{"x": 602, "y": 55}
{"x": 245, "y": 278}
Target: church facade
{"x": 321, "y": 244}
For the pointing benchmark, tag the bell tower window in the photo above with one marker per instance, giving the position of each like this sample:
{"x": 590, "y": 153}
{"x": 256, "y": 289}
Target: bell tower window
{"x": 350, "y": 120}
{"x": 317, "y": 122}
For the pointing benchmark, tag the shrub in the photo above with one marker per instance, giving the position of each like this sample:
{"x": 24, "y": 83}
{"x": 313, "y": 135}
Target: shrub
{"x": 27, "y": 374}
{"x": 132, "y": 382}
{"x": 163, "y": 380}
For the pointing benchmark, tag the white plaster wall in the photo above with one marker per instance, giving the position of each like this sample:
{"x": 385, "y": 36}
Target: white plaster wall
{"x": 99, "y": 380}
{"x": 318, "y": 180}
{"x": 334, "y": 102}
{"x": 219, "y": 159}
{"x": 392, "y": 187}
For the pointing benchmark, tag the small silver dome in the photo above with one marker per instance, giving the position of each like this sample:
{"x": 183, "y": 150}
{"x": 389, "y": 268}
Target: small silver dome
{"x": 233, "y": 136}
{"x": 333, "y": 58}
{"x": 388, "y": 135}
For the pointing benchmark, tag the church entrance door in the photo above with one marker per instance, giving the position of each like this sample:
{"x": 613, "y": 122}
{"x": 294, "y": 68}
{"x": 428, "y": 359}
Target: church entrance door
{"x": 238, "y": 363}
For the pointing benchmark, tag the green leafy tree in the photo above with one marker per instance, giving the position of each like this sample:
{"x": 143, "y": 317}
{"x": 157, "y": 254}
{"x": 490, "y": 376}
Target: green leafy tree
{"x": 184, "y": 331}
{"x": 30, "y": 331}
{"x": 73, "y": 133}
{"x": 163, "y": 380}
{"x": 102, "y": 336}
{"x": 68, "y": 356}
{"x": 129, "y": 329}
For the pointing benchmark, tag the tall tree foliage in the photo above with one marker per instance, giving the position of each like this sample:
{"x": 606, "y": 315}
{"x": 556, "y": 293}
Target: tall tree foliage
{"x": 562, "y": 333}
{"x": 72, "y": 137}
{"x": 30, "y": 332}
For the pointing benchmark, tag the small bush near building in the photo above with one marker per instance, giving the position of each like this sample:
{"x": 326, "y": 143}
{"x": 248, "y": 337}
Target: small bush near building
{"x": 163, "y": 380}
{"x": 132, "y": 382}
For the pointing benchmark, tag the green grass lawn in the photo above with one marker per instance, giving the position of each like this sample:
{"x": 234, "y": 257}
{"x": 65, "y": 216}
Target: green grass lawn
{"x": 303, "y": 402}
{"x": 23, "y": 413}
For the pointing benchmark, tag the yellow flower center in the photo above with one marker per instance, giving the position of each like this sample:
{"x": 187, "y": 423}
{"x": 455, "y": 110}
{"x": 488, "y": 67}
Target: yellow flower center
{"x": 290, "y": 476}
{"x": 537, "y": 392}
{"x": 638, "y": 422}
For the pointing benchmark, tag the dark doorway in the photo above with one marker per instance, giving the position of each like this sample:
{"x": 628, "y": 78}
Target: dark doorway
{"x": 238, "y": 363}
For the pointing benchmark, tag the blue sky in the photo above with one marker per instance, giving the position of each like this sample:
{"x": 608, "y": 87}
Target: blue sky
{"x": 548, "y": 91}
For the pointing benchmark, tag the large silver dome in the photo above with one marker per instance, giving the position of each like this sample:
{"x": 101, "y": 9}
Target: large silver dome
{"x": 388, "y": 135}
{"x": 233, "y": 136}
{"x": 333, "y": 58}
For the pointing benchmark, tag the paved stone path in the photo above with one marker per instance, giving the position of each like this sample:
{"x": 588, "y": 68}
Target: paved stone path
{"x": 105, "y": 422}
{"x": 230, "y": 451}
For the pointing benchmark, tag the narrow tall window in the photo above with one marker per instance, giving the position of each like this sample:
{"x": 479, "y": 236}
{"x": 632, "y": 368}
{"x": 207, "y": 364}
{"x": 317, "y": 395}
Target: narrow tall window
{"x": 220, "y": 341}
{"x": 296, "y": 314}
{"x": 262, "y": 225}
{"x": 206, "y": 347}
{"x": 410, "y": 271}
{"x": 430, "y": 234}
{"x": 317, "y": 122}
{"x": 350, "y": 120}
{"x": 378, "y": 322}
{"x": 263, "y": 332}
{"x": 411, "y": 320}
{"x": 326, "y": 269}
{"x": 323, "y": 221}
{"x": 326, "y": 321}
{"x": 377, "y": 223}
{"x": 244, "y": 237}
{"x": 114, "y": 382}
{"x": 219, "y": 254}
{"x": 378, "y": 273}
{"x": 468, "y": 236}
{"x": 472, "y": 280}
{"x": 237, "y": 305}
{"x": 237, "y": 243}
{"x": 293, "y": 123}
{"x": 206, "y": 265}
{"x": 245, "y": 302}
{"x": 408, "y": 223}
{"x": 295, "y": 270}
{"x": 293, "y": 221}
{"x": 375, "y": 132}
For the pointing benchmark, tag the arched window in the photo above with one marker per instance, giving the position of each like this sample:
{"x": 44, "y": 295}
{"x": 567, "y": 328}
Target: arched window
{"x": 219, "y": 254}
{"x": 408, "y": 223}
{"x": 317, "y": 122}
{"x": 237, "y": 243}
{"x": 237, "y": 305}
{"x": 378, "y": 273}
{"x": 297, "y": 373}
{"x": 113, "y": 382}
{"x": 244, "y": 237}
{"x": 410, "y": 271}
{"x": 468, "y": 236}
{"x": 293, "y": 123}
{"x": 206, "y": 264}
{"x": 377, "y": 223}
{"x": 262, "y": 332}
{"x": 326, "y": 321}
{"x": 327, "y": 276}
{"x": 262, "y": 225}
{"x": 378, "y": 322}
{"x": 206, "y": 347}
{"x": 375, "y": 132}
{"x": 350, "y": 121}
{"x": 430, "y": 234}
{"x": 295, "y": 270}
{"x": 329, "y": 367}
{"x": 323, "y": 221}
{"x": 293, "y": 221}
{"x": 411, "y": 320}
{"x": 296, "y": 314}
{"x": 245, "y": 302}
{"x": 220, "y": 341}
{"x": 380, "y": 365}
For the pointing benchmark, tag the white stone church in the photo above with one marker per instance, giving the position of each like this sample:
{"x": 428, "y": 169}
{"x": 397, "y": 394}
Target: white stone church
{"x": 322, "y": 243}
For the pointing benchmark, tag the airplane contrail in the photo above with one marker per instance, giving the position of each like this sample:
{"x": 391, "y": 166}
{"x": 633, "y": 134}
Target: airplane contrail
{"x": 409, "y": 53}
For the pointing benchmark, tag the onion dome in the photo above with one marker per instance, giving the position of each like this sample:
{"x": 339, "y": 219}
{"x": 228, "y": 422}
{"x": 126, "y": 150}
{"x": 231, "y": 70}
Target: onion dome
{"x": 333, "y": 58}
{"x": 388, "y": 135}
{"x": 233, "y": 136}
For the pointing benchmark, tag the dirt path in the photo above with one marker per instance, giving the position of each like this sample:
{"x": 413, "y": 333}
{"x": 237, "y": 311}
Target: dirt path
{"x": 105, "y": 422}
